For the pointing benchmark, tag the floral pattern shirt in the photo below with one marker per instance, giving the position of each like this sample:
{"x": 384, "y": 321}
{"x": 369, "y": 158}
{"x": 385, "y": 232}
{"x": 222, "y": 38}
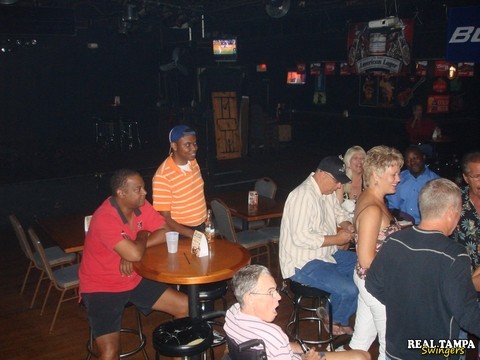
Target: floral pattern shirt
{"x": 467, "y": 232}
{"x": 382, "y": 235}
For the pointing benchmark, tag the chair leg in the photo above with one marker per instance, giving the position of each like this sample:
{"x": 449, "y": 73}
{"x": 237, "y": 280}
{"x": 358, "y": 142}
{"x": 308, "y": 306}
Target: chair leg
{"x": 46, "y": 297}
{"x": 89, "y": 344}
{"x": 58, "y": 308}
{"x": 42, "y": 274}
{"x": 26, "y": 277}
{"x": 140, "y": 334}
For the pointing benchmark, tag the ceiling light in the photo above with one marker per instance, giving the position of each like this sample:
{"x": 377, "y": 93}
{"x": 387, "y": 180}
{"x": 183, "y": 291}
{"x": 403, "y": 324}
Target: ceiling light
{"x": 277, "y": 8}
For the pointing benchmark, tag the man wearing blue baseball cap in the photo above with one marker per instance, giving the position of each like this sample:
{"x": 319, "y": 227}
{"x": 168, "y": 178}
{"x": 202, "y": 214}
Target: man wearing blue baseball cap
{"x": 177, "y": 189}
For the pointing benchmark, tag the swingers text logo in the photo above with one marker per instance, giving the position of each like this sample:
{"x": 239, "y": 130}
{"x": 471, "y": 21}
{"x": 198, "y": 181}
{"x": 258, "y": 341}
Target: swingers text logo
{"x": 441, "y": 347}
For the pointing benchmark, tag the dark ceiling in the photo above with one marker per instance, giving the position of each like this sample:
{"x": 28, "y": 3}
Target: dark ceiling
{"x": 245, "y": 18}
{"x": 228, "y": 13}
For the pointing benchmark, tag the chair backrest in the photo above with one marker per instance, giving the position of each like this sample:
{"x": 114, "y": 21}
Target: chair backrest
{"x": 22, "y": 237}
{"x": 223, "y": 220}
{"x": 86, "y": 222}
{"x": 41, "y": 252}
{"x": 266, "y": 187}
{"x": 246, "y": 351}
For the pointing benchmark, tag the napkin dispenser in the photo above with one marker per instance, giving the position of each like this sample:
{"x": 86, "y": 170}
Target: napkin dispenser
{"x": 199, "y": 244}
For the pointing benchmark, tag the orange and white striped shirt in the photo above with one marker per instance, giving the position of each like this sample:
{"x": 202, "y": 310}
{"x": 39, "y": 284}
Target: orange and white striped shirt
{"x": 180, "y": 192}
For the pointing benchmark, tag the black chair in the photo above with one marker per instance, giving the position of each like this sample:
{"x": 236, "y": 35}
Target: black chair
{"x": 142, "y": 340}
{"x": 252, "y": 240}
{"x": 182, "y": 337}
{"x": 249, "y": 350}
{"x": 308, "y": 299}
{"x": 208, "y": 294}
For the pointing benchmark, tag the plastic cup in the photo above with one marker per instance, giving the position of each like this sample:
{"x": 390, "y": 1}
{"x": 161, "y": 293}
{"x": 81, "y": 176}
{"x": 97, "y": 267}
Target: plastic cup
{"x": 172, "y": 241}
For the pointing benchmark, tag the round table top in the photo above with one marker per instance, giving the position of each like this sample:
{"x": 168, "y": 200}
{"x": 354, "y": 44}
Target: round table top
{"x": 184, "y": 268}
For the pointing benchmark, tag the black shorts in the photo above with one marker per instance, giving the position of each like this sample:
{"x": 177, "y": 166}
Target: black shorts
{"x": 105, "y": 309}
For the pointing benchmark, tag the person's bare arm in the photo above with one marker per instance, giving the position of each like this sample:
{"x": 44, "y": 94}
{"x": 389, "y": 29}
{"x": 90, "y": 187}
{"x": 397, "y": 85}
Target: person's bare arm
{"x": 368, "y": 227}
{"x": 131, "y": 251}
{"x": 343, "y": 236}
{"x": 175, "y": 226}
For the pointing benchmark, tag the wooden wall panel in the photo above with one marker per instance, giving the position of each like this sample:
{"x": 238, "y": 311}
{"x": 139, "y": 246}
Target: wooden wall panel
{"x": 227, "y": 131}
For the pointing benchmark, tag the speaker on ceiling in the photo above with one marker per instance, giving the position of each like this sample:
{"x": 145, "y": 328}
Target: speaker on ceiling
{"x": 277, "y": 8}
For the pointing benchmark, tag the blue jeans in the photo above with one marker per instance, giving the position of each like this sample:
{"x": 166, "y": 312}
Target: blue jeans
{"x": 337, "y": 279}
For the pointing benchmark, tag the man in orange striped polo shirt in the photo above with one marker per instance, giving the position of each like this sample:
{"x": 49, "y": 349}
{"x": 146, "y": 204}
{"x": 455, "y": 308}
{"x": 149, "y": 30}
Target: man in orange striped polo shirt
{"x": 178, "y": 185}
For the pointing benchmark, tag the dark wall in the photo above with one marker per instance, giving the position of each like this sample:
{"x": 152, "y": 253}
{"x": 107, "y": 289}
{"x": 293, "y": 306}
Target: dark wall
{"x": 50, "y": 92}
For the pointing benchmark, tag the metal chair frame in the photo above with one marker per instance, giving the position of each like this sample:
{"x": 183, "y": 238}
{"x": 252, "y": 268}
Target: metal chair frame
{"x": 63, "y": 279}
{"x": 55, "y": 256}
{"x": 249, "y": 239}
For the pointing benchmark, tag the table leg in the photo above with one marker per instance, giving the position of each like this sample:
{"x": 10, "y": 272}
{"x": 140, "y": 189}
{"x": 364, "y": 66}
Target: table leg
{"x": 244, "y": 224}
{"x": 193, "y": 301}
{"x": 194, "y": 307}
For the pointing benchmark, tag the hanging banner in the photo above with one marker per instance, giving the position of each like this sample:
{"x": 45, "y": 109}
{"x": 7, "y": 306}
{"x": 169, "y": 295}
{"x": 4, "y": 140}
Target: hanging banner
{"x": 441, "y": 67}
{"x": 329, "y": 68}
{"x": 421, "y": 68}
{"x": 438, "y": 104}
{"x": 344, "y": 68}
{"x": 463, "y": 34}
{"x": 466, "y": 69}
{"x": 315, "y": 69}
{"x": 301, "y": 68}
{"x": 380, "y": 45}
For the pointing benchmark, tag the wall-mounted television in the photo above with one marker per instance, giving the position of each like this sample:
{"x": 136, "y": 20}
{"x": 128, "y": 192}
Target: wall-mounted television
{"x": 225, "y": 49}
{"x": 295, "y": 78}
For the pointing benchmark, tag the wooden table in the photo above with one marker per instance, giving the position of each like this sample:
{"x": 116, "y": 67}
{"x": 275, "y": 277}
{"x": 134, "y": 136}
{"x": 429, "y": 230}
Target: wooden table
{"x": 183, "y": 268}
{"x": 237, "y": 202}
{"x": 67, "y": 231}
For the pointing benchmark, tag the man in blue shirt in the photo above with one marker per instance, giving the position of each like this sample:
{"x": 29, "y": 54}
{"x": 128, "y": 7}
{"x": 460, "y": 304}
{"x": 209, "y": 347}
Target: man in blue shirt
{"x": 411, "y": 182}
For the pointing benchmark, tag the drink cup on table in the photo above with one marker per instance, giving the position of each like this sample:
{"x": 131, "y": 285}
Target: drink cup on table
{"x": 172, "y": 241}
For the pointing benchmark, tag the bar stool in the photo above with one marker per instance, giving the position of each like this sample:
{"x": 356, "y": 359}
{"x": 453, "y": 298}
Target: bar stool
{"x": 207, "y": 295}
{"x": 182, "y": 338}
{"x": 142, "y": 340}
{"x": 301, "y": 295}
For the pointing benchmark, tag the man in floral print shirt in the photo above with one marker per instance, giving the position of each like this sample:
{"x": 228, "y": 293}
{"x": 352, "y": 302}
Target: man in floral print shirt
{"x": 468, "y": 229}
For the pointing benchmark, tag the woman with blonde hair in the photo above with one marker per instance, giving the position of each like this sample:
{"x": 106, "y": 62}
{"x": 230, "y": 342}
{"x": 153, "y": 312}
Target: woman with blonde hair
{"x": 348, "y": 194}
{"x": 373, "y": 222}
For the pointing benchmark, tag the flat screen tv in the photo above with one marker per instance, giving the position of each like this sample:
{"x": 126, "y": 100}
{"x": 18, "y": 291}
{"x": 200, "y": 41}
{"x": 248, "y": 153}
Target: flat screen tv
{"x": 295, "y": 78}
{"x": 225, "y": 49}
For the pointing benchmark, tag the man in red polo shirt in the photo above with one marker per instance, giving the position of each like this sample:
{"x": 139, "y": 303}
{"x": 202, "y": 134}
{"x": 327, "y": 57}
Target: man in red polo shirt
{"x": 120, "y": 231}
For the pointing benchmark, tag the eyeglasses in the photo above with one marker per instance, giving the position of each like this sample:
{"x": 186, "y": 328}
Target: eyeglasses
{"x": 475, "y": 177}
{"x": 271, "y": 293}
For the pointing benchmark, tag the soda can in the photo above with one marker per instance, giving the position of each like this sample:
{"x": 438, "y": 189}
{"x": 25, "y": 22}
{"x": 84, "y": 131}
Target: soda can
{"x": 252, "y": 198}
